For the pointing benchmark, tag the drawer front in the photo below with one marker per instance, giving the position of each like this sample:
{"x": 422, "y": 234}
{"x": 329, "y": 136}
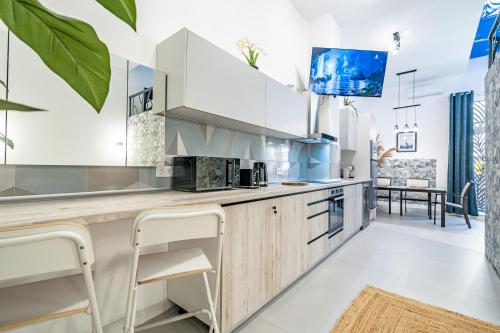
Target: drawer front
{"x": 317, "y": 226}
{"x": 316, "y": 202}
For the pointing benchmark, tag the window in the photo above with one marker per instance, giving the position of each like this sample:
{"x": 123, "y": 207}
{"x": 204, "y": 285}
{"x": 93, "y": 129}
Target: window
{"x": 479, "y": 153}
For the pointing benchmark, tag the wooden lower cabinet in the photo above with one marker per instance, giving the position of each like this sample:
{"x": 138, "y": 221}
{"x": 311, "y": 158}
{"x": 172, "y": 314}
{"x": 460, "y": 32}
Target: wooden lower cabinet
{"x": 267, "y": 246}
{"x": 248, "y": 264}
{"x": 358, "y": 207}
{"x": 291, "y": 257}
{"x": 353, "y": 209}
{"x": 265, "y": 250}
{"x": 317, "y": 226}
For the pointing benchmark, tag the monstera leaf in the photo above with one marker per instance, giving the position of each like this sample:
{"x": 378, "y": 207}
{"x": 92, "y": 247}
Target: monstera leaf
{"x": 70, "y": 48}
{"x": 123, "y": 9}
{"x": 8, "y": 105}
{"x": 12, "y": 106}
{"x": 6, "y": 140}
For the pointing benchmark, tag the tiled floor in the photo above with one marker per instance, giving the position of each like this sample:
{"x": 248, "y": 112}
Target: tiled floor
{"x": 409, "y": 256}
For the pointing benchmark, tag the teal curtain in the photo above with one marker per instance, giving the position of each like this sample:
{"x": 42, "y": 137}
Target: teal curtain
{"x": 461, "y": 149}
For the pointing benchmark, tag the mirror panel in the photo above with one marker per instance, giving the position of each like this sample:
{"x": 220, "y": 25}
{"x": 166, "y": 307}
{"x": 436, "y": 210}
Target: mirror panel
{"x": 129, "y": 130}
{"x": 3, "y": 90}
{"x": 145, "y": 117}
{"x": 71, "y": 132}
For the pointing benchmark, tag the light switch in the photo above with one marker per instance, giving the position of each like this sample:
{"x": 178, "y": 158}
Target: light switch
{"x": 164, "y": 171}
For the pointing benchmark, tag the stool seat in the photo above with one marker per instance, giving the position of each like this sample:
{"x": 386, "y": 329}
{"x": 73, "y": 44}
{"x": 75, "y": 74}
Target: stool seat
{"x": 172, "y": 264}
{"x": 40, "y": 301}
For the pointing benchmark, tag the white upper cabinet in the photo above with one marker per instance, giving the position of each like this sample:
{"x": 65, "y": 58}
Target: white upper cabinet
{"x": 207, "y": 84}
{"x": 286, "y": 110}
{"x": 348, "y": 129}
{"x": 219, "y": 83}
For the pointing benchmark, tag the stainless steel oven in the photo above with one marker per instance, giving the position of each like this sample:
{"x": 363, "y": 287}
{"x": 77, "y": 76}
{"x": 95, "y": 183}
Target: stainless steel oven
{"x": 336, "y": 211}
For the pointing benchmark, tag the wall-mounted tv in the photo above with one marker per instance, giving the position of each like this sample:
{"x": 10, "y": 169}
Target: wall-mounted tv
{"x": 345, "y": 72}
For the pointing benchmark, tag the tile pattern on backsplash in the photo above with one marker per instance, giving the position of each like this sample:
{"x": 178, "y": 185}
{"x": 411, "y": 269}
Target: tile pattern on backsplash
{"x": 31, "y": 179}
{"x": 112, "y": 178}
{"x": 21, "y": 180}
{"x": 285, "y": 159}
{"x": 7, "y": 180}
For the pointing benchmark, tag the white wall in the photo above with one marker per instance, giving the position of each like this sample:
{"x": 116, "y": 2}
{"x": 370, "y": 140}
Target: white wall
{"x": 432, "y": 116}
{"x": 274, "y": 25}
{"x": 324, "y": 32}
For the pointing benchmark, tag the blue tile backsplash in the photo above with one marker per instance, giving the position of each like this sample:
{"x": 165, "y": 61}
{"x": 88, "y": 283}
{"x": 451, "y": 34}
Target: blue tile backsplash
{"x": 285, "y": 159}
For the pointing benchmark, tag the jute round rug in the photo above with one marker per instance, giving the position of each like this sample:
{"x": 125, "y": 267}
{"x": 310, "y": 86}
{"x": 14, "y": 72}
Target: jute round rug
{"x": 376, "y": 310}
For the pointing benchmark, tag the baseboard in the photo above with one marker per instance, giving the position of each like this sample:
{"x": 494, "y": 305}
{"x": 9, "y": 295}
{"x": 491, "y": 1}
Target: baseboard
{"x": 141, "y": 317}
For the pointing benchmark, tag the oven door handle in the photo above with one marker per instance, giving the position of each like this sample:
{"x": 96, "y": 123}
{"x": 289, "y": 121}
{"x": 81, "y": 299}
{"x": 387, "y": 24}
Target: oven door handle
{"x": 335, "y": 199}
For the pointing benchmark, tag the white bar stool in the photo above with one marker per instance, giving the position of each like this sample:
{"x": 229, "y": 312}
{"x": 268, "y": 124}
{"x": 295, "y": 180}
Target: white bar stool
{"x": 161, "y": 226}
{"x": 45, "y": 274}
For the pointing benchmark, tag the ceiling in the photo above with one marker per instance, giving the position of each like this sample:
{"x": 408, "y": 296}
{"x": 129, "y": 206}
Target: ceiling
{"x": 481, "y": 42}
{"x": 437, "y": 35}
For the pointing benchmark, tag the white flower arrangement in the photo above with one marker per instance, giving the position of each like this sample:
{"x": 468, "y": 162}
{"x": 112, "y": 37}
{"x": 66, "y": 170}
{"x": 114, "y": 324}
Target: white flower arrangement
{"x": 249, "y": 50}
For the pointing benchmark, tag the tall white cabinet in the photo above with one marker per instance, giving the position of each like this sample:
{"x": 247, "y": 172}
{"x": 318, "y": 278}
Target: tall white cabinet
{"x": 366, "y": 132}
{"x": 348, "y": 129}
{"x": 207, "y": 84}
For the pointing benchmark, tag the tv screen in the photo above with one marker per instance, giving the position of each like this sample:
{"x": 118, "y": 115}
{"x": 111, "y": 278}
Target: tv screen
{"x": 345, "y": 72}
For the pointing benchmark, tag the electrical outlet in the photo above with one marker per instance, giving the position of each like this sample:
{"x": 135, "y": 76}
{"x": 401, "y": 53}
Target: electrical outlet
{"x": 164, "y": 171}
{"x": 279, "y": 171}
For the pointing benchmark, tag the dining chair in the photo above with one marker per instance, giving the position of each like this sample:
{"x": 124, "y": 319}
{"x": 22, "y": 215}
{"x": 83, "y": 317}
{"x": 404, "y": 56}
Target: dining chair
{"x": 463, "y": 202}
{"x": 418, "y": 183}
{"x": 45, "y": 274}
{"x": 162, "y": 226}
{"x": 382, "y": 194}
{"x": 383, "y": 181}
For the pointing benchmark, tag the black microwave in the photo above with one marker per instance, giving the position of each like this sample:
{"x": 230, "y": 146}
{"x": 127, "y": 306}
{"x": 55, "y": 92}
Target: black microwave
{"x": 200, "y": 173}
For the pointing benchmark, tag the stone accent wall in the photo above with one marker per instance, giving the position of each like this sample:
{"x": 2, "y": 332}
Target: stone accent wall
{"x": 145, "y": 144}
{"x": 492, "y": 218}
{"x": 401, "y": 169}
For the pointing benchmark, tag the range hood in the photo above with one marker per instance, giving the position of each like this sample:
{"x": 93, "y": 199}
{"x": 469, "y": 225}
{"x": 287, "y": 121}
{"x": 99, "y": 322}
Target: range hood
{"x": 318, "y": 138}
{"x": 313, "y": 133}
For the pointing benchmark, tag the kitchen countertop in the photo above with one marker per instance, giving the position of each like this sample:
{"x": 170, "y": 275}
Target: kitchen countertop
{"x": 118, "y": 207}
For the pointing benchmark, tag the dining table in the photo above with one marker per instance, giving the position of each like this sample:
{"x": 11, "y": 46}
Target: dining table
{"x": 429, "y": 190}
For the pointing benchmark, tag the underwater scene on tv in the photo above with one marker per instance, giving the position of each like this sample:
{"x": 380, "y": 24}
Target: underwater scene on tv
{"x": 345, "y": 72}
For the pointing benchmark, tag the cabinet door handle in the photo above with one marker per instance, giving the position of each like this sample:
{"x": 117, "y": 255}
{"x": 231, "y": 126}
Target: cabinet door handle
{"x": 274, "y": 209}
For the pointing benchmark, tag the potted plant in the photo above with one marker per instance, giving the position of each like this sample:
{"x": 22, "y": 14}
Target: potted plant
{"x": 250, "y": 51}
{"x": 382, "y": 154}
{"x": 349, "y": 103}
